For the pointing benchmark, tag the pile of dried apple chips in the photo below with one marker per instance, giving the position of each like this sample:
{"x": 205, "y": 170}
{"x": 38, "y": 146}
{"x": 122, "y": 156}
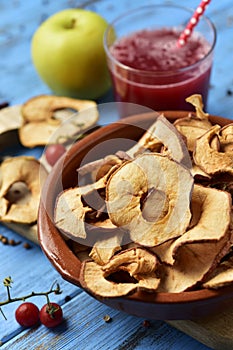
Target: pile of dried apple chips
{"x": 157, "y": 216}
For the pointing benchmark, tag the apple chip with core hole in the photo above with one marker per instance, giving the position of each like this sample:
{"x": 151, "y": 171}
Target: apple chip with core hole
{"x": 139, "y": 276}
{"x": 150, "y": 197}
{"x": 21, "y": 179}
{"x": 42, "y": 115}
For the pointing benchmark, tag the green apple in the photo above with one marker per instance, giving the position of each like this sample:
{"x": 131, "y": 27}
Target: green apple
{"x": 68, "y": 54}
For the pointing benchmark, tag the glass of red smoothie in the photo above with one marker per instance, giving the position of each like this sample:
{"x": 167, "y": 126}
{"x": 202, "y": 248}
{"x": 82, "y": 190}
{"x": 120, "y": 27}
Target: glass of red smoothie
{"x": 146, "y": 65}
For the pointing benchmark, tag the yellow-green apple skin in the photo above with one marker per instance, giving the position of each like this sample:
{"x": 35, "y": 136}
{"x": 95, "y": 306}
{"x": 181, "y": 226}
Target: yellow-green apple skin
{"x": 68, "y": 53}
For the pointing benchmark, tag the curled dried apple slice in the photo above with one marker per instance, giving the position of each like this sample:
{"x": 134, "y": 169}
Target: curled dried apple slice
{"x": 20, "y": 188}
{"x": 193, "y": 264}
{"x": 197, "y": 102}
{"x": 97, "y": 279}
{"x": 10, "y": 118}
{"x": 226, "y": 138}
{"x": 193, "y": 126}
{"x": 106, "y": 247}
{"x": 10, "y": 121}
{"x": 150, "y": 197}
{"x": 163, "y": 134}
{"x": 43, "y": 114}
{"x": 208, "y": 158}
{"x": 134, "y": 260}
{"x": 100, "y": 167}
{"x": 70, "y": 210}
{"x": 221, "y": 276}
{"x": 80, "y": 207}
{"x": 206, "y": 203}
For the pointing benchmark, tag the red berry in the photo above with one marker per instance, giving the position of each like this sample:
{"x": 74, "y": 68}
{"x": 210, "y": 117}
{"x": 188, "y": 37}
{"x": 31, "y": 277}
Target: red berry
{"x": 51, "y": 315}
{"x": 54, "y": 152}
{"x": 27, "y": 314}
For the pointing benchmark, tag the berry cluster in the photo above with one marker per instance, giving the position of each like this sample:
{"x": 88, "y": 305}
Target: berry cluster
{"x": 28, "y": 314}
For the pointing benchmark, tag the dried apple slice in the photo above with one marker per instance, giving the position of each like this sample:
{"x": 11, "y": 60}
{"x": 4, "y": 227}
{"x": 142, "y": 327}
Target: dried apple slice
{"x": 21, "y": 181}
{"x": 221, "y": 276}
{"x": 208, "y": 158}
{"x": 100, "y": 167}
{"x": 206, "y": 203}
{"x": 161, "y": 137}
{"x": 127, "y": 192}
{"x": 69, "y": 216}
{"x": 75, "y": 204}
{"x": 198, "y": 173}
{"x": 197, "y": 102}
{"x": 98, "y": 282}
{"x": 10, "y": 118}
{"x": 95, "y": 280}
{"x": 134, "y": 260}
{"x": 43, "y": 114}
{"x": 194, "y": 262}
{"x": 226, "y": 138}
{"x": 163, "y": 133}
{"x": 105, "y": 248}
{"x": 193, "y": 126}
{"x": 10, "y": 122}
{"x": 70, "y": 211}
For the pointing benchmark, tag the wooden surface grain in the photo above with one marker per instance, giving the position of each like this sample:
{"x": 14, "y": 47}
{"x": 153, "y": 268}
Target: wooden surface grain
{"x": 84, "y": 327}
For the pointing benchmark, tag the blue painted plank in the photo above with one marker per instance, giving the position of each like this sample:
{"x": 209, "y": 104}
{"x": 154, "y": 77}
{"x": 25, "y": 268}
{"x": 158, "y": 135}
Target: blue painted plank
{"x": 30, "y": 271}
{"x": 85, "y": 329}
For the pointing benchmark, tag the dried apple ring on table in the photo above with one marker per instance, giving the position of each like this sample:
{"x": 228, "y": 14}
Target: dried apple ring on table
{"x": 150, "y": 197}
{"x": 20, "y": 189}
{"x": 43, "y": 114}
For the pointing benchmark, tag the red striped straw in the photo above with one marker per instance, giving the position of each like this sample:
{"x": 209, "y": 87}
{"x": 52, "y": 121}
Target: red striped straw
{"x": 192, "y": 23}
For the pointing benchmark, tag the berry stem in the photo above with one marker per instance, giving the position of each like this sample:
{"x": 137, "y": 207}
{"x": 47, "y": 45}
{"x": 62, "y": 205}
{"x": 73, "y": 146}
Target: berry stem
{"x": 7, "y": 282}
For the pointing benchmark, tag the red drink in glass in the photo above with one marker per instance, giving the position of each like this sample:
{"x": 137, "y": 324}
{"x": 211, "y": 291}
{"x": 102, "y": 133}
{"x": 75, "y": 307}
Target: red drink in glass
{"x": 147, "y": 67}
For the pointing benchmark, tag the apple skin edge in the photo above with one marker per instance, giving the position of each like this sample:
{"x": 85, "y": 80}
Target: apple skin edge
{"x": 68, "y": 54}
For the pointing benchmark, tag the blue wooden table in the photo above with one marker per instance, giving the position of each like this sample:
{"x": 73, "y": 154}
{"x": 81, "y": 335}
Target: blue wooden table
{"x": 84, "y": 327}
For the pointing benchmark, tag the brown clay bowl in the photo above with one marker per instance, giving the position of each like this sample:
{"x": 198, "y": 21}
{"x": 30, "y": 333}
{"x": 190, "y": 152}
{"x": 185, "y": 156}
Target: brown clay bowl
{"x": 163, "y": 306}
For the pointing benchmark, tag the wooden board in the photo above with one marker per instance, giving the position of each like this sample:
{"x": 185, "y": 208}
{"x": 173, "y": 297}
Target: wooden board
{"x": 27, "y": 231}
{"x": 215, "y": 332}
